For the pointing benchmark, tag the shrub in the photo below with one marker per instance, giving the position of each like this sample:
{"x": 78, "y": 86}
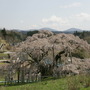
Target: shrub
{"x": 79, "y": 81}
{"x": 81, "y": 53}
{"x": 72, "y": 83}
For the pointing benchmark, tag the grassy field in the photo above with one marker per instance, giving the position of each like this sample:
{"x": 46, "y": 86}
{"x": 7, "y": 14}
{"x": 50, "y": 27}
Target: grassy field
{"x": 68, "y": 83}
{"x": 3, "y": 56}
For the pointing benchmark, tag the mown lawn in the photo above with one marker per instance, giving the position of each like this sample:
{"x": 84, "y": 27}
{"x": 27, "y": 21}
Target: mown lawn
{"x": 53, "y": 84}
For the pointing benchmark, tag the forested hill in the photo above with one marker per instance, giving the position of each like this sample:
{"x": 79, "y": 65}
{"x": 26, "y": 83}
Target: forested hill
{"x": 14, "y": 36}
{"x": 83, "y": 35}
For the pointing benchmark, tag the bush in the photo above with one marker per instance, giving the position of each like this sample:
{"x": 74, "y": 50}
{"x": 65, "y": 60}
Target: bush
{"x": 79, "y": 81}
{"x": 81, "y": 53}
{"x": 72, "y": 83}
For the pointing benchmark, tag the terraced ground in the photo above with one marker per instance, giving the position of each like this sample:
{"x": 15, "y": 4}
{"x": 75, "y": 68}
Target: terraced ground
{"x": 4, "y": 59}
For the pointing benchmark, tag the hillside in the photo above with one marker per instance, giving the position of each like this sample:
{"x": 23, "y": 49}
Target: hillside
{"x": 12, "y": 37}
{"x": 15, "y": 36}
{"x": 68, "y": 83}
{"x": 85, "y": 35}
{"x": 6, "y": 44}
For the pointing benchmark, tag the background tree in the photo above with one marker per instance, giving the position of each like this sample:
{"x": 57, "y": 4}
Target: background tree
{"x": 3, "y": 31}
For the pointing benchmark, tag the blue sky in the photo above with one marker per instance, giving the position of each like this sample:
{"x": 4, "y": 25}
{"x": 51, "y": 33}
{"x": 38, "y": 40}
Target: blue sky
{"x": 34, "y": 14}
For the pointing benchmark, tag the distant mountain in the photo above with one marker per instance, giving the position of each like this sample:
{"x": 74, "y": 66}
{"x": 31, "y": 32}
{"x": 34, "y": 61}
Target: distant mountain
{"x": 72, "y": 30}
{"x": 49, "y": 29}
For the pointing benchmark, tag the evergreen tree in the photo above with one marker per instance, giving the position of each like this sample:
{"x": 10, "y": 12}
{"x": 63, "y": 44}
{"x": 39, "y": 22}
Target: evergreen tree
{"x": 3, "y": 32}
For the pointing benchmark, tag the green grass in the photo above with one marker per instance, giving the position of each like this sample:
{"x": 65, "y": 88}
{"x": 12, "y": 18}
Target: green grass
{"x": 81, "y": 53}
{"x": 2, "y": 54}
{"x": 44, "y": 85}
{"x": 50, "y": 84}
{"x": 2, "y": 78}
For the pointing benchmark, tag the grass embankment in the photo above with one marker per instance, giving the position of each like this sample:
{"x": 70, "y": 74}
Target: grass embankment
{"x": 68, "y": 83}
{"x": 3, "y": 56}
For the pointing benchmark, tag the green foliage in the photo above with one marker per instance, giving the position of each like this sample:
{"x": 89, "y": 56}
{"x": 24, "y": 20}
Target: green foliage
{"x": 6, "y": 47}
{"x": 78, "y": 54}
{"x": 30, "y": 33}
{"x": 83, "y": 35}
{"x": 2, "y": 56}
{"x": 73, "y": 83}
{"x": 81, "y": 53}
{"x": 12, "y": 37}
{"x": 79, "y": 82}
{"x": 3, "y": 32}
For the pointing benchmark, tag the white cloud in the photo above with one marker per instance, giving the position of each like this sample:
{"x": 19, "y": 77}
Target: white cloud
{"x": 54, "y": 19}
{"x": 55, "y": 22}
{"x": 83, "y": 16}
{"x": 34, "y": 26}
{"x": 80, "y": 20}
{"x": 76, "y": 4}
